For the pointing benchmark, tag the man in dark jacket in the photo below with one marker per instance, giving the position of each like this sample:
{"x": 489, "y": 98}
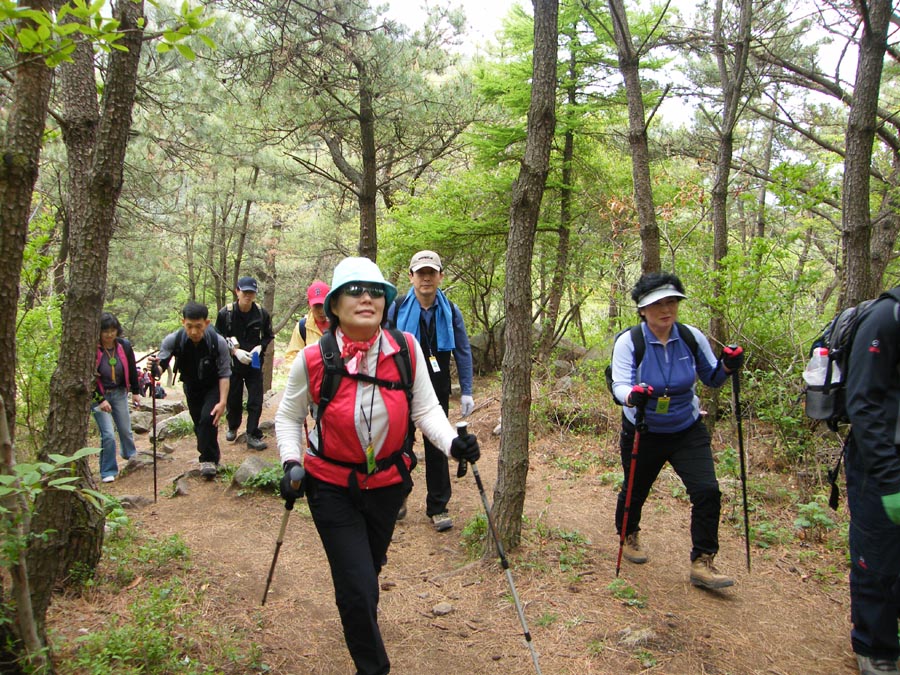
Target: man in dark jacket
{"x": 247, "y": 328}
{"x": 873, "y": 488}
{"x": 204, "y": 365}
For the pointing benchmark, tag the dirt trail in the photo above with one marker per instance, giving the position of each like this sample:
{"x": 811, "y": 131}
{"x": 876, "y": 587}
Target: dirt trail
{"x": 776, "y": 620}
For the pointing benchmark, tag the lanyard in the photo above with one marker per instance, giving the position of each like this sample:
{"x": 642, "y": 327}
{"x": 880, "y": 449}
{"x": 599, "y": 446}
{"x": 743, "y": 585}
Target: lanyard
{"x": 367, "y": 420}
{"x": 666, "y": 376}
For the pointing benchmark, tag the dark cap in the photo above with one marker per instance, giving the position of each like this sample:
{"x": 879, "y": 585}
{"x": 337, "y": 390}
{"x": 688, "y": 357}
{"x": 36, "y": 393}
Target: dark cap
{"x": 247, "y": 284}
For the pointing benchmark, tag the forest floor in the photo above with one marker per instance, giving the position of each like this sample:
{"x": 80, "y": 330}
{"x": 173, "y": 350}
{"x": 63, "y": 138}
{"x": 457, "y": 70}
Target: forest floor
{"x": 789, "y": 616}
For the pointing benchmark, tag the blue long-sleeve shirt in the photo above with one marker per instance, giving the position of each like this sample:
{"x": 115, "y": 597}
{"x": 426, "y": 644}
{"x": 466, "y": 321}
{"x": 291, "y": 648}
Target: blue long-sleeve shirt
{"x": 672, "y": 371}
{"x": 462, "y": 351}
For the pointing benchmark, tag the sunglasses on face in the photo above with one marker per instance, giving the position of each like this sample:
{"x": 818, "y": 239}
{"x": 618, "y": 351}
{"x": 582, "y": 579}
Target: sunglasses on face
{"x": 356, "y": 290}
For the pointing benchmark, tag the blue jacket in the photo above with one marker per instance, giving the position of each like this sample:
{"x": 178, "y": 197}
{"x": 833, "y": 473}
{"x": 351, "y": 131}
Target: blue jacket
{"x": 672, "y": 371}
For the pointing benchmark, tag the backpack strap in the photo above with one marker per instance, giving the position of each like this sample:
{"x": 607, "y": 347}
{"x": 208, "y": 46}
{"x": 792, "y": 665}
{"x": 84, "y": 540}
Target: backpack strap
{"x": 332, "y": 373}
{"x": 229, "y": 311}
{"x": 301, "y": 328}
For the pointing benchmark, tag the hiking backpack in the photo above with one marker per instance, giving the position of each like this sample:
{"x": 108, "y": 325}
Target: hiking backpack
{"x": 828, "y": 401}
{"x": 301, "y": 328}
{"x": 637, "y": 339}
{"x": 334, "y": 370}
{"x": 210, "y": 361}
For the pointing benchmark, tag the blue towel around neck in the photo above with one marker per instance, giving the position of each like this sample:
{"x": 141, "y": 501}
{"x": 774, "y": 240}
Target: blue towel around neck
{"x": 409, "y": 313}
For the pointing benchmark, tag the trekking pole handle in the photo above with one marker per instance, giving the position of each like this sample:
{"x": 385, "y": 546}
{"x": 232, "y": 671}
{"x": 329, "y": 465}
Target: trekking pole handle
{"x": 462, "y": 430}
{"x": 296, "y": 477}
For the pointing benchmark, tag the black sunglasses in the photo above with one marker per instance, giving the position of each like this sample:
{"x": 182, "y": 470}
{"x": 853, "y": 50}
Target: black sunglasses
{"x": 356, "y": 290}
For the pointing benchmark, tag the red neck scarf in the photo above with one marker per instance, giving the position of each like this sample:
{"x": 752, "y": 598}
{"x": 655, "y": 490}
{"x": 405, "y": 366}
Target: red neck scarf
{"x": 356, "y": 351}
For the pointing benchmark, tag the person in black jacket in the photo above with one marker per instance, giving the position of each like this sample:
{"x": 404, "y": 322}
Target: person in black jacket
{"x": 247, "y": 328}
{"x": 116, "y": 374}
{"x": 203, "y": 362}
{"x": 873, "y": 488}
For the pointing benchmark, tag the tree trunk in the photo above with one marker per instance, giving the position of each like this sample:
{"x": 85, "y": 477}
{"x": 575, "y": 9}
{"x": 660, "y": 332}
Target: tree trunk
{"x": 629, "y": 66}
{"x": 96, "y": 141}
{"x": 856, "y": 227}
{"x": 368, "y": 192}
{"x": 527, "y": 192}
{"x": 732, "y": 91}
{"x": 26, "y": 113}
{"x": 271, "y": 283}
{"x": 561, "y": 268}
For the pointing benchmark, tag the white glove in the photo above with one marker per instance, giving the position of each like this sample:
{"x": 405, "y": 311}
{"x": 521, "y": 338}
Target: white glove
{"x": 232, "y": 343}
{"x": 257, "y": 349}
{"x": 467, "y": 405}
{"x": 242, "y": 356}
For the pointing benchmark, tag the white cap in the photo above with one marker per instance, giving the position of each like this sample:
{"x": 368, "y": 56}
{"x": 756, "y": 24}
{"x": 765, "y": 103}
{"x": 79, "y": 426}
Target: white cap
{"x": 425, "y": 259}
{"x": 358, "y": 269}
{"x": 658, "y": 293}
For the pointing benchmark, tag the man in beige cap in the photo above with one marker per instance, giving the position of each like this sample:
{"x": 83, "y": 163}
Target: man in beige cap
{"x": 438, "y": 325}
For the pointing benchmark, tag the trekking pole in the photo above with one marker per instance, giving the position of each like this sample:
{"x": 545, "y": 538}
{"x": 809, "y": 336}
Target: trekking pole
{"x": 297, "y": 474}
{"x": 639, "y": 426}
{"x": 736, "y": 394}
{"x": 153, "y": 424}
{"x": 462, "y": 431}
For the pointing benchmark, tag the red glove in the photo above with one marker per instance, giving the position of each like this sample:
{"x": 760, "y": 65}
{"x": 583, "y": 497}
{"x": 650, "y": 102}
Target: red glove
{"x": 640, "y": 394}
{"x": 732, "y": 357}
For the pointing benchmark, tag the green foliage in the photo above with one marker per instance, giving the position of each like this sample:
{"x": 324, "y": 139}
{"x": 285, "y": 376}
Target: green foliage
{"x": 474, "y": 536}
{"x": 268, "y": 479}
{"x": 26, "y": 482}
{"x": 628, "y": 595}
{"x": 814, "y": 518}
{"x": 38, "y": 332}
{"x": 180, "y": 426}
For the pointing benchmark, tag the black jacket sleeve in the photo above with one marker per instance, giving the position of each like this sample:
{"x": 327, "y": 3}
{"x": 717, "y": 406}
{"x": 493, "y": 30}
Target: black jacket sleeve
{"x": 873, "y": 395}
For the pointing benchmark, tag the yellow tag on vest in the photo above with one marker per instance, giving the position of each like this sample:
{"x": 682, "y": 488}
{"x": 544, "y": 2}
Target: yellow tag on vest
{"x": 370, "y": 459}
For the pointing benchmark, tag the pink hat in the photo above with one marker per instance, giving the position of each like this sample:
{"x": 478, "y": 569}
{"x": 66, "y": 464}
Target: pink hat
{"x": 316, "y": 293}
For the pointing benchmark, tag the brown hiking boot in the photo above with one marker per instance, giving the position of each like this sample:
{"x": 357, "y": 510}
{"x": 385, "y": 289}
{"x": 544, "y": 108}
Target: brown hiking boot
{"x": 705, "y": 574}
{"x": 632, "y": 549}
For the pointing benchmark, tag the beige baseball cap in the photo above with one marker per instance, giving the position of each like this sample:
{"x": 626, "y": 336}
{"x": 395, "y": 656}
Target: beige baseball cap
{"x": 425, "y": 259}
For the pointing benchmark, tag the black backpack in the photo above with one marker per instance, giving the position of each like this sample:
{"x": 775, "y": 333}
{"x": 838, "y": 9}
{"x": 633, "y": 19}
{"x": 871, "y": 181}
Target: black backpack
{"x": 637, "y": 339}
{"x": 828, "y": 402}
{"x": 334, "y": 370}
{"x": 301, "y": 328}
{"x": 209, "y": 364}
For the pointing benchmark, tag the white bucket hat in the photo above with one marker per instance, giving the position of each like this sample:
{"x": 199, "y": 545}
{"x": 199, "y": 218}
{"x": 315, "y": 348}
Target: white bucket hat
{"x": 358, "y": 269}
{"x": 658, "y": 293}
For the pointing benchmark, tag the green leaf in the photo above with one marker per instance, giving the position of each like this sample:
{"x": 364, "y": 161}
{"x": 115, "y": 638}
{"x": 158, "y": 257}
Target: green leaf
{"x": 58, "y": 482}
{"x": 163, "y": 47}
{"x": 186, "y": 52}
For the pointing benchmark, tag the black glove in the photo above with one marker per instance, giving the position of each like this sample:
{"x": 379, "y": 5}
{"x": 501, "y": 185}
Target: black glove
{"x": 640, "y": 394}
{"x": 293, "y": 473}
{"x": 732, "y": 357}
{"x": 465, "y": 448}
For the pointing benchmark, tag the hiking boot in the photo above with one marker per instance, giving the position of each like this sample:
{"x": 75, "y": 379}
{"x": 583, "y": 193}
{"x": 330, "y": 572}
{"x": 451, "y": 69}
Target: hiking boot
{"x": 230, "y": 435}
{"x": 108, "y": 479}
{"x": 632, "y": 550}
{"x": 872, "y": 666}
{"x": 401, "y": 514}
{"x": 208, "y": 470}
{"x": 442, "y": 521}
{"x": 256, "y": 443}
{"x": 705, "y": 574}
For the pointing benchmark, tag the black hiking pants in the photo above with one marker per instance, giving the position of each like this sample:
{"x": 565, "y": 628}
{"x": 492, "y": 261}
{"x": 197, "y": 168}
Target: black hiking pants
{"x": 356, "y": 529}
{"x": 874, "y": 566}
{"x": 690, "y": 455}
{"x": 242, "y": 375}
{"x": 200, "y": 401}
